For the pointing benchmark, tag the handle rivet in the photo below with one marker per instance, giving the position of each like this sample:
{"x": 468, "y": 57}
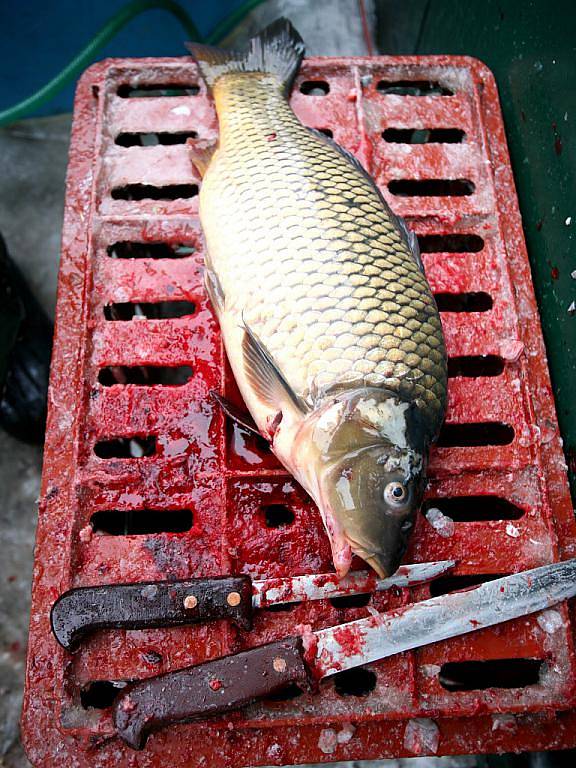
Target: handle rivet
{"x": 279, "y": 664}
{"x": 233, "y": 599}
{"x": 190, "y": 601}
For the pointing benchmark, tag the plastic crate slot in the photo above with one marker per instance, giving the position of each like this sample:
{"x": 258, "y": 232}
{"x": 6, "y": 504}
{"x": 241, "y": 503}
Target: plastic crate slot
{"x": 471, "y": 509}
{"x": 145, "y": 139}
{"x": 315, "y": 88}
{"x": 281, "y": 607}
{"x": 351, "y": 601}
{"x": 129, "y": 250}
{"x": 139, "y": 522}
{"x": 145, "y": 375}
{"x": 327, "y": 132}
{"x": 476, "y": 301}
{"x": 424, "y": 135}
{"x": 474, "y": 366}
{"x": 475, "y": 434}
{"x": 355, "y": 682}
{"x": 150, "y": 192}
{"x": 159, "y": 310}
{"x": 454, "y": 243}
{"x": 291, "y": 691}
{"x": 431, "y": 187}
{"x": 413, "y": 88}
{"x": 494, "y": 673}
{"x": 446, "y": 584}
{"x": 100, "y": 694}
{"x": 126, "y": 447}
{"x": 154, "y": 90}
{"x": 277, "y": 515}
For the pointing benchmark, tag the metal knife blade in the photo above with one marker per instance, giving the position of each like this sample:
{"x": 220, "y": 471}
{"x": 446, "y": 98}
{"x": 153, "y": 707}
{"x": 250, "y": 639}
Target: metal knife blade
{"x": 166, "y": 604}
{"x": 324, "y": 585}
{"x": 230, "y": 682}
{"x": 376, "y": 637}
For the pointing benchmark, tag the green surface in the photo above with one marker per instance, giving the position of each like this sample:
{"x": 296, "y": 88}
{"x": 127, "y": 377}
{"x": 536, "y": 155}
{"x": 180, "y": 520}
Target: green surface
{"x": 530, "y": 47}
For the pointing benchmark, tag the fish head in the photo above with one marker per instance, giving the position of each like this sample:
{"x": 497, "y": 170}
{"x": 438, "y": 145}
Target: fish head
{"x": 370, "y": 477}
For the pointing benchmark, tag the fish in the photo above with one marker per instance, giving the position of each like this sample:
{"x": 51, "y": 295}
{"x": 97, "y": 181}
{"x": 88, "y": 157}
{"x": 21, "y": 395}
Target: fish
{"x": 327, "y": 317}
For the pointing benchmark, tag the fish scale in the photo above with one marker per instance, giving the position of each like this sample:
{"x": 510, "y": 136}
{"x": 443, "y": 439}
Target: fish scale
{"x": 311, "y": 257}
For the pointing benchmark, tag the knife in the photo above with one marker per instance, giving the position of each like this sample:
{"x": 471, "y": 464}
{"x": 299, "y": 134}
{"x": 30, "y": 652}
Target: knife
{"x": 232, "y": 681}
{"x": 167, "y": 604}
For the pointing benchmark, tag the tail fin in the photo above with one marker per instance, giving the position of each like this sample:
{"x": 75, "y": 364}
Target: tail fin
{"x": 278, "y": 49}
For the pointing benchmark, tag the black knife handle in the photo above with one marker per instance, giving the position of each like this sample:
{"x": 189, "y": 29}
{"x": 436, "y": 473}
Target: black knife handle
{"x": 151, "y": 604}
{"x": 207, "y": 689}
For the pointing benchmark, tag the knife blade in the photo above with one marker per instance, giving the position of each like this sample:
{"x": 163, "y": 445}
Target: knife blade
{"x": 232, "y": 681}
{"x": 146, "y": 605}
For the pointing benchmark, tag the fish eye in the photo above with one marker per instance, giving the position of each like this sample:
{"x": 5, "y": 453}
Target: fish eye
{"x": 395, "y": 494}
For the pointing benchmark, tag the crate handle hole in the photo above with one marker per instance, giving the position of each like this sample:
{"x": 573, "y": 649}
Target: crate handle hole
{"x": 474, "y": 301}
{"x": 355, "y": 682}
{"x": 351, "y": 601}
{"x": 431, "y": 187}
{"x": 163, "y": 138}
{"x": 156, "y": 90}
{"x": 495, "y": 673}
{"x": 453, "y": 243}
{"x": 475, "y": 434}
{"x": 424, "y": 135}
{"x": 145, "y": 375}
{"x": 413, "y": 88}
{"x": 126, "y": 447}
{"x": 141, "y": 522}
{"x": 150, "y": 192}
{"x": 277, "y": 515}
{"x": 474, "y": 366}
{"x": 470, "y": 509}
{"x": 100, "y": 694}
{"x": 315, "y": 88}
{"x": 129, "y": 250}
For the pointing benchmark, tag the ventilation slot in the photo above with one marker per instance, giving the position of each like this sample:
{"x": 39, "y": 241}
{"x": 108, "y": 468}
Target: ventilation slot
{"x": 424, "y": 135}
{"x": 139, "y": 522}
{"x": 127, "y": 250}
{"x": 126, "y": 447}
{"x": 154, "y": 90}
{"x": 450, "y": 243}
{"x": 350, "y": 601}
{"x": 315, "y": 88}
{"x": 326, "y": 132}
{"x": 431, "y": 187}
{"x": 498, "y": 673}
{"x": 413, "y": 88}
{"x": 149, "y": 192}
{"x": 145, "y": 375}
{"x": 100, "y": 694}
{"x": 291, "y": 691}
{"x": 464, "y": 302}
{"x": 161, "y": 310}
{"x": 281, "y": 607}
{"x": 470, "y": 509}
{"x": 446, "y": 584}
{"x": 475, "y": 434}
{"x": 474, "y": 366}
{"x": 153, "y": 139}
{"x": 354, "y": 682}
{"x": 277, "y": 515}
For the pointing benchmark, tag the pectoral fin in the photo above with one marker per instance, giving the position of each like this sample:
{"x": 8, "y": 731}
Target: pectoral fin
{"x": 201, "y": 151}
{"x": 264, "y": 376}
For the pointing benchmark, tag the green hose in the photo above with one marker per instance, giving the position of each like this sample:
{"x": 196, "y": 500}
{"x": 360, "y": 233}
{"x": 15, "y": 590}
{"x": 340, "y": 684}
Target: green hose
{"x": 126, "y": 14}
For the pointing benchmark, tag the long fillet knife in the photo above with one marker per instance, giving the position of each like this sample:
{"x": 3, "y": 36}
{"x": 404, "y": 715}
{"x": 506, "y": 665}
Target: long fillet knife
{"x": 233, "y": 681}
{"x": 146, "y": 605}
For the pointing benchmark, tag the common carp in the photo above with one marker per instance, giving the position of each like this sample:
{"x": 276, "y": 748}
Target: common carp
{"x": 328, "y": 320}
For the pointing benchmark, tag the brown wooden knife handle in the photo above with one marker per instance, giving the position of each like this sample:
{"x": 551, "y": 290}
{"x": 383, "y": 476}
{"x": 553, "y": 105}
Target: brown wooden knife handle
{"x": 151, "y": 604}
{"x": 209, "y": 688}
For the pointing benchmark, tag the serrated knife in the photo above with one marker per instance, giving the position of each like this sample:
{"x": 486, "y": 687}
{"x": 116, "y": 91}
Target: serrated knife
{"x": 232, "y": 681}
{"x": 146, "y": 605}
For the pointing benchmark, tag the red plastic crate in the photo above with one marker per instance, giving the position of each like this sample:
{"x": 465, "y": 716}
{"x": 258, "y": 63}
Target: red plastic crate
{"x": 201, "y": 462}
